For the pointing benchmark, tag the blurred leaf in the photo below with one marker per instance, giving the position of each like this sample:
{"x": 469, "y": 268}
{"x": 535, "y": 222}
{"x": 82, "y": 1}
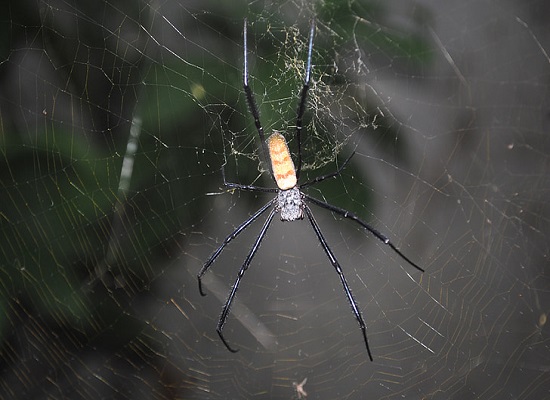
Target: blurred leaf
{"x": 55, "y": 201}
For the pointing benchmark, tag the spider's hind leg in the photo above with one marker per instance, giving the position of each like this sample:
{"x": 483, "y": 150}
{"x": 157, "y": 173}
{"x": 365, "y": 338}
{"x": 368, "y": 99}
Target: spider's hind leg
{"x": 303, "y": 99}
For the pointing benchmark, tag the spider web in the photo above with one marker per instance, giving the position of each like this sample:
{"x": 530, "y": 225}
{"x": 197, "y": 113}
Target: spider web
{"x": 116, "y": 119}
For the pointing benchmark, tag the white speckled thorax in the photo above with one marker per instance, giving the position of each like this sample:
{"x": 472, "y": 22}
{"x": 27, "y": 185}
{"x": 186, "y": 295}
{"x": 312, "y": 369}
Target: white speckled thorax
{"x": 290, "y": 204}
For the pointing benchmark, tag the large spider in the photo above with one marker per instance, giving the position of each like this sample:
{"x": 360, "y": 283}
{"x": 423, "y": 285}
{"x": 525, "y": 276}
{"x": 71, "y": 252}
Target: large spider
{"x": 290, "y": 201}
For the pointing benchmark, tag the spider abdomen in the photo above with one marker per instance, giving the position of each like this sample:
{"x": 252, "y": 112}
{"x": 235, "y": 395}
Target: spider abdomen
{"x": 290, "y": 204}
{"x": 281, "y": 162}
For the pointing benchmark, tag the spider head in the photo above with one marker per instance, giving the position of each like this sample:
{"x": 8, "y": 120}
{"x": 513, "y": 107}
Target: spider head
{"x": 290, "y": 204}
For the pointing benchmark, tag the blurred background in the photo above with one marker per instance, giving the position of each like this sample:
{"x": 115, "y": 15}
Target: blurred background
{"x": 116, "y": 118}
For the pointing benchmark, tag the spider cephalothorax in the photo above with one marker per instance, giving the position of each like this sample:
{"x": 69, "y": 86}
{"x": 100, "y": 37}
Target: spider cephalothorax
{"x": 290, "y": 202}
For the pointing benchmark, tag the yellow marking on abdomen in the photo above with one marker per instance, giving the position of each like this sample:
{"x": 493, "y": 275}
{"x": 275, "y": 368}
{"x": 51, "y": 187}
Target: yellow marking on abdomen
{"x": 281, "y": 163}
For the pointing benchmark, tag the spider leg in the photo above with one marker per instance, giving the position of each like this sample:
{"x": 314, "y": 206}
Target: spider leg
{"x": 246, "y": 187}
{"x": 246, "y": 264}
{"x": 328, "y": 176}
{"x": 252, "y": 188}
{"x": 353, "y": 217}
{"x": 228, "y": 239}
{"x": 252, "y": 103}
{"x": 336, "y": 265}
{"x": 303, "y": 99}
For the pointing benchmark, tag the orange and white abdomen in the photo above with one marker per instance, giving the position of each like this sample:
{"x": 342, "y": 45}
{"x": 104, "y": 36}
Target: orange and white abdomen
{"x": 281, "y": 162}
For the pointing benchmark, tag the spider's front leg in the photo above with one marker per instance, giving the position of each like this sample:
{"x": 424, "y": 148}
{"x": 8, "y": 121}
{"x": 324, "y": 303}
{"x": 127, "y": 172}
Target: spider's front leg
{"x": 338, "y": 268}
{"x": 246, "y": 264}
{"x": 228, "y": 239}
{"x": 379, "y": 235}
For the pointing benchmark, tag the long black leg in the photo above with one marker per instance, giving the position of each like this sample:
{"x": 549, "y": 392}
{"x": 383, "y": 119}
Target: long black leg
{"x": 338, "y": 269}
{"x": 227, "y": 305}
{"x": 352, "y": 216}
{"x": 228, "y": 239}
{"x": 303, "y": 100}
{"x": 252, "y": 104}
{"x": 328, "y": 176}
{"x": 251, "y": 188}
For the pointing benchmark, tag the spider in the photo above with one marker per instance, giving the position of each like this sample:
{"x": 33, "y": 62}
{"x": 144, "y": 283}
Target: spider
{"x": 291, "y": 202}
